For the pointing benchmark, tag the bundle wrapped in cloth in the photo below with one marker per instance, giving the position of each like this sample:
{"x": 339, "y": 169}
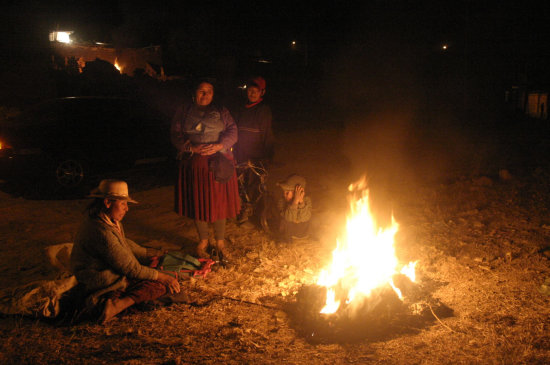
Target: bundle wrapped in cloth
{"x": 41, "y": 298}
{"x": 179, "y": 264}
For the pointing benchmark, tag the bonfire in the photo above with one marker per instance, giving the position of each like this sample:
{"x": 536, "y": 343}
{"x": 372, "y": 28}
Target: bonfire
{"x": 364, "y": 260}
{"x": 363, "y": 292}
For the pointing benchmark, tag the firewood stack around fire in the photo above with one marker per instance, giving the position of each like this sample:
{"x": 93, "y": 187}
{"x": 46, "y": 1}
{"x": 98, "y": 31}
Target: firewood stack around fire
{"x": 381, "y": 316}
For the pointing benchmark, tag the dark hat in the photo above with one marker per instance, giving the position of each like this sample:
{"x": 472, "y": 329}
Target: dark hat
{"x": 206, "y": 79}
{"x": 259, "y": 82}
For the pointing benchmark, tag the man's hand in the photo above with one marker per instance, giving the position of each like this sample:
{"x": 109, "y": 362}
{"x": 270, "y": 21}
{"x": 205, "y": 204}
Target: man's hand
{"x": 152, "y": 252}
{"x": 299, "y": 193}
{"x": 171, "y": 282}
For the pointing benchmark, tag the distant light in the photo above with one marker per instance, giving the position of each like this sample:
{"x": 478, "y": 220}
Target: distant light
{"x": 261, "y": 60}
{"x": 63, "y": 37}
{"x": 293, "y": 43}
{"x": 444, "y": 47}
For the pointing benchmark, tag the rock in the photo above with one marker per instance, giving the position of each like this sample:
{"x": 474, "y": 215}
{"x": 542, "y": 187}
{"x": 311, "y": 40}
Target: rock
{"x": 483, "y": 181}
{"x": 545, "y": 287}
{"x": 505, "y": 175}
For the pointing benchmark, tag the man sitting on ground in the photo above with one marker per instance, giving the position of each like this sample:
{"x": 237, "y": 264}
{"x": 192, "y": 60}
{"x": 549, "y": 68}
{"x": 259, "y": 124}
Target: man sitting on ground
{"x": 108, "y": 265}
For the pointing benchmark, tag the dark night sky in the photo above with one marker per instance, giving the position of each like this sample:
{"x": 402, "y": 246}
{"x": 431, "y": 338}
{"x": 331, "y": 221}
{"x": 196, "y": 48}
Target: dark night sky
{"x": 384, "y": 42}
{"x": 271, "y": 24}
{"x": 377, "y": 63}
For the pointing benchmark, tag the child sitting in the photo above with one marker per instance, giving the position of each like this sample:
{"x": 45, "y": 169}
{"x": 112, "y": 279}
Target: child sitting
{"x": 294, "y": 208}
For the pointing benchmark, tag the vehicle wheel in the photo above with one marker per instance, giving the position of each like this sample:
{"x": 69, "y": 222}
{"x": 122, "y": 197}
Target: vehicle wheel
{"x": 69, "y": 173}
{"x": 64, "y": 178}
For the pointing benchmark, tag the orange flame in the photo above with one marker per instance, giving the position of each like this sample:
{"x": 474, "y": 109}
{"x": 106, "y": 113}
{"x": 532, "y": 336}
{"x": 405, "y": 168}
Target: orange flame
{"x": 365, "y": 259}
{"x": 117, "y": 65}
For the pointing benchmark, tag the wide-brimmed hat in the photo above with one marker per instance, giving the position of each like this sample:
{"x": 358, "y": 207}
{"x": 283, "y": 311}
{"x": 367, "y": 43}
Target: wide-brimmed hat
{"x": 112, "y": 189}
{"x": 291, "y": 182}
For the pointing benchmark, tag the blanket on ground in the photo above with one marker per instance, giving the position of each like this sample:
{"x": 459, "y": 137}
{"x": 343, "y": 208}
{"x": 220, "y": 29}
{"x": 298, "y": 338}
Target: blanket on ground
{"x": 41, "y": 298}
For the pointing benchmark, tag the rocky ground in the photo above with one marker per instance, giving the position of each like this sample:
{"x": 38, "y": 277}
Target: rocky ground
{"x": 481, "y": 242}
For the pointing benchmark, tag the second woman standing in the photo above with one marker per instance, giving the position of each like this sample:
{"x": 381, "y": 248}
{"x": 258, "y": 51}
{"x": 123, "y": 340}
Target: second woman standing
{"x": 199, "y": 131}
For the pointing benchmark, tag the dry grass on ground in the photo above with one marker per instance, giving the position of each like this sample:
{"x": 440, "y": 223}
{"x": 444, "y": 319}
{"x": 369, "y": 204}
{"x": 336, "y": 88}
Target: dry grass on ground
{"x": 479, "y": 244}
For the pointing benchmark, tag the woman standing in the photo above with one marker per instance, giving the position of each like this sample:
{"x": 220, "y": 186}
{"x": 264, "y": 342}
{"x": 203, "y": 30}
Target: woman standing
{"x": 199, "y": 132}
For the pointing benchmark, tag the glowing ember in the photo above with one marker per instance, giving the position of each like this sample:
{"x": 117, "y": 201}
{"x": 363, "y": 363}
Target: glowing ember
{"x": 117, "y": 66}
{"x": 332, "y": 304}
{"x": 408, "y": 271}
{"x": 364, "y": 259}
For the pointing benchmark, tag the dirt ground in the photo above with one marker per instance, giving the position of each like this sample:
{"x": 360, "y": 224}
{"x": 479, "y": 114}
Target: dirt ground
{"x": 479, "y": 241}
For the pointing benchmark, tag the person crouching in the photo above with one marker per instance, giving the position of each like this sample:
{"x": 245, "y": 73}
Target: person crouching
{"x": 294, "y": 208}
{"x": 110, "y": 266}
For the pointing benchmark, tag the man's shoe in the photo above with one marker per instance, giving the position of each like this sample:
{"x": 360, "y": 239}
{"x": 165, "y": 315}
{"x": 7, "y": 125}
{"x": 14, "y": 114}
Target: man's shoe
{"x": 225, "y": 261}
{"x": 223, "y": 254}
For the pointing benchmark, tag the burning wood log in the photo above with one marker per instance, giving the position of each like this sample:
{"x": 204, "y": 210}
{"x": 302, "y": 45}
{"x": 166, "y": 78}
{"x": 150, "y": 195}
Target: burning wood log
{"x": 381, "y": 316}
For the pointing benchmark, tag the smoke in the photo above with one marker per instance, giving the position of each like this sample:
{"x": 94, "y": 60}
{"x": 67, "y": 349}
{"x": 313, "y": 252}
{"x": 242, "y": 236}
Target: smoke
{"x": 403, "y": 117}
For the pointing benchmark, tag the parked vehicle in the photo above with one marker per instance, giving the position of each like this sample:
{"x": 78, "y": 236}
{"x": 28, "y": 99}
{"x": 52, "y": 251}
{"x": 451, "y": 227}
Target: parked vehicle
{"x": 60, "y": 144}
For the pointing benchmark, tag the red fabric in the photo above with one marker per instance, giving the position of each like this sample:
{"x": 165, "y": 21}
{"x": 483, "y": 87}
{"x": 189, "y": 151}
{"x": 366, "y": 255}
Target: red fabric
{"x": 155, "y": 260}
{"x": 199, "y": 196}
{"x": 140, "y": 291}
{"x": 206, "y": 267}
{"x": 252, "y": 104}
